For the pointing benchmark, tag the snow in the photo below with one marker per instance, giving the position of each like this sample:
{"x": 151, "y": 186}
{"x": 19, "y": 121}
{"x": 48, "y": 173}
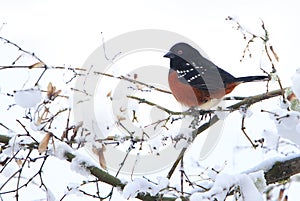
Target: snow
{"x": 59, "y": 149}
{"x": 248, "y": 189}
{"x": 289, "y": 120}
{"x": 80, "y": 163}
{"x": 221, "y": 186}
{"x": 267, "y": 164}
{"x": 197, "y": 197}
{"x": 28, "y": 98}
{"x": 88, "y": 40}
{"x": 36, "y": 126}
{"x": 155, "y": 144}
{"x": 298, "y": 128}
{"x": 287, "y": 124}
{"x": 225, "y": 182}
{"x": 163, "y": 182}
{"x": 182, "y": 143}
{"x": 245, "y": 111}
{"x": 73, "y": 189}
{"x": 9, "y": 170}
{"x": 296, "y": 83}
{"x": 14, "y": 149}
{"x": 284, "y": 105}
{"x": 271, "y": 139}
{"x": 50, "y": 195}
{"x": 181, "y": 134}
{"x": 15, "y": 145}
{"x": 212, "y": 174}
{"x": 221, "y": 114}
{"x": 259, "y": 180}
{"x": 139, "y": 185}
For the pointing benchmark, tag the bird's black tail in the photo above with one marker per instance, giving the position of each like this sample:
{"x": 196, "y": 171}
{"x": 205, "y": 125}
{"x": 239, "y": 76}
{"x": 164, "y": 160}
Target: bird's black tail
{"x": 252, "y": 78}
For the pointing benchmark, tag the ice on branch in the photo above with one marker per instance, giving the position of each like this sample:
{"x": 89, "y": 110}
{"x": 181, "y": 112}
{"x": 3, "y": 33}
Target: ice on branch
{"x": 28, "y": 98}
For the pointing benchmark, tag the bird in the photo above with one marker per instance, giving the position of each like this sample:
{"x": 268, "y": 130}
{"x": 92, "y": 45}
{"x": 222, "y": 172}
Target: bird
{"x": 195, "y": 81}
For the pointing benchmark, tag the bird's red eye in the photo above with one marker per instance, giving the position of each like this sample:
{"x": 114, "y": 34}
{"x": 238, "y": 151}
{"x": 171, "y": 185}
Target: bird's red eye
{"x": 179, "y": 52}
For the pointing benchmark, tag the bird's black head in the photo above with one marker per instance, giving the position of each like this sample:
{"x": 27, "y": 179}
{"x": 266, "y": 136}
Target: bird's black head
{"x": 182, "y": 50}
{"x": 182, "y": 53}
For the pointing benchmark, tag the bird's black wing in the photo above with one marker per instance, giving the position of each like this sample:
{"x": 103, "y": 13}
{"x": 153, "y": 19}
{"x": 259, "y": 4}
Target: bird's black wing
{"x": 205, "y": 75}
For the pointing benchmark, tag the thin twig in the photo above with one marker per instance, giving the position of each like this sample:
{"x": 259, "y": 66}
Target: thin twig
{"x": 141, "y": 100}
{"x": 243, "y": 128}
{"x": 134, "y": 81}
{"x": 181, "y": 176}
{"x": 21, "y": 49}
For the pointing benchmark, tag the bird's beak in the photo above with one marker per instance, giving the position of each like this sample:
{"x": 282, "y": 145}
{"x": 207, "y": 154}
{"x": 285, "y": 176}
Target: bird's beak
{"x": 169, "y": 55}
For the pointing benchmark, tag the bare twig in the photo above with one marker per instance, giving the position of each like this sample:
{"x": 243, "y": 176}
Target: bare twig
{"x": 181, "y": 177}
{"x": 268, "y": 49}
{"x": 134, "y": 81}
{"x": 243, "y": 128}
{"x": 21, "y": 49}
{"x": 141, "y": 100}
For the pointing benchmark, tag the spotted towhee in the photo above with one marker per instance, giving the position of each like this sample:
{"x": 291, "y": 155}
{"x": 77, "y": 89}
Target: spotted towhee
{"x": 197, "y": 82}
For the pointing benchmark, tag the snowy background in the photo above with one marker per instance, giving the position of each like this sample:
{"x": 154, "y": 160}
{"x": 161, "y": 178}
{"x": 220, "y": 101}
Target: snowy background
{"x": 65, "y": 33}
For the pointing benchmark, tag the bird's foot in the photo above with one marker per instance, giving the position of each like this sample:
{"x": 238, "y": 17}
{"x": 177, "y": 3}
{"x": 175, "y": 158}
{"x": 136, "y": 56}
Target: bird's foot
{"x": 198, "y": 115}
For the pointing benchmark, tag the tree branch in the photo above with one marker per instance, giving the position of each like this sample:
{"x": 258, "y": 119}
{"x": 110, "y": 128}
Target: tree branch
{"x": 280, "y": 171}
{"x": 283, "y": 170}
{"x": 247, "y": 101}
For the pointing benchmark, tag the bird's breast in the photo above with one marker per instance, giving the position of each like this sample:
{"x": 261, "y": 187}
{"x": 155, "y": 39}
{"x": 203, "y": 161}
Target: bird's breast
{"x": 193, "y": 97}
{"x": 185, "y": 93}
